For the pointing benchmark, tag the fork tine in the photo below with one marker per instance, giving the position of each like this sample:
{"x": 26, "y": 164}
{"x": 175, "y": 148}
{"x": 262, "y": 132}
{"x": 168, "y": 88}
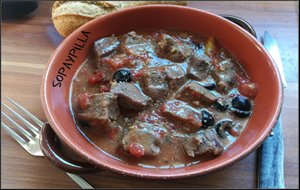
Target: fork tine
{"x": 21, "y": 129}
{"x": 29, "y": 125}
{"x": 13, "y": 134}
{"x": 35, "y": 119}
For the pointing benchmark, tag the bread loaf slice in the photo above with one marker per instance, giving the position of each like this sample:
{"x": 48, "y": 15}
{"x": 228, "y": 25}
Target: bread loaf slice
{"x": 67, "y": 16}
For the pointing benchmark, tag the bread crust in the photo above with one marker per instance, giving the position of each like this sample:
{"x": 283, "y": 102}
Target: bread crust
{"x": 66, "y": 24}
{"x": 67, "y": 16}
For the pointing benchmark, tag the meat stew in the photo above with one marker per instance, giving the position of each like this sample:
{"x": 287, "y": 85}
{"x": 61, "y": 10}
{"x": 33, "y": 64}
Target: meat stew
{"x": 161, "y": 98}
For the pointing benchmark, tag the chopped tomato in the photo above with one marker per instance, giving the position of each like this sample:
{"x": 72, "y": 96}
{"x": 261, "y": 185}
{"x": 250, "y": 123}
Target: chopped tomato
{"x": 83, "y": 100}
{"x": 136, "y": 149}
{"x": 248, "y": 89}
{"x": 163, "y": 108}
{"x": 118, "y": 62}
{"x": 161, "y": 133}
{"x": 192, "y": 117}
{"x": 158, "y": 111}
{"x": 241, "y": 78}
{"x": 104, "y": 88}
{"x": 233, "y": 132}
{"x": 199, "y": 124}
{"x": 96, "y": 78}
{"x": 137, "y": 75}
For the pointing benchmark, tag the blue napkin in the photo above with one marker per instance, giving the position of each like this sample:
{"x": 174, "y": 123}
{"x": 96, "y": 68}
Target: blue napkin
{"x": 271, "y": 160}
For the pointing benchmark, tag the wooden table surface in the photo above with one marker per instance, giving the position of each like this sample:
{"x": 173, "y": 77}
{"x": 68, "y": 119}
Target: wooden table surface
{"x": 27, "y": 45}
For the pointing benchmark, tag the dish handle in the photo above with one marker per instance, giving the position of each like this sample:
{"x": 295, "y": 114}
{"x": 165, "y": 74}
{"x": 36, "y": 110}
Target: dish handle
{"x": 240, "y": 22}
{"x": 50, "y": 148}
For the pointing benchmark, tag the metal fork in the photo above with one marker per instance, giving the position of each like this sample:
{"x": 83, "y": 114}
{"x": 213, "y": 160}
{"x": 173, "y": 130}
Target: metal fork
{"x": 31, "y": 142}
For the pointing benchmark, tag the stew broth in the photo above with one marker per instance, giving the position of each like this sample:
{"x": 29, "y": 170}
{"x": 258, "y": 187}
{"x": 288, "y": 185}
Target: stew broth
{"x": 161, "y": 98}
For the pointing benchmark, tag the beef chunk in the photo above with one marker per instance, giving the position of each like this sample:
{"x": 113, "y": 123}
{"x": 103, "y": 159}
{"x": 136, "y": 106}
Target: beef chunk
{"x": 105, "y": 46}
{"x": 181, "y": 112}
{"x": 135, "y": 44}
{"x": 175, "y": 76}
{"x": 193, "y": 91}
{"x": 154, "y": 83}
{"x": 130, "y": 96}
{"x": 159, "y": 62}
{"x": 102, "y": 111}
{"x": 173, "y": 49}
{"x": 199, "y": 66}
{"x": 145, "y": 136}
{"x": 204, "y": 141}
{"x": 225, "y": 75}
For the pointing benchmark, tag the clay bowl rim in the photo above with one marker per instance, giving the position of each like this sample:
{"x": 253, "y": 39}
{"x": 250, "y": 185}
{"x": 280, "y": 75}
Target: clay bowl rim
{"x": 108, "y": 166}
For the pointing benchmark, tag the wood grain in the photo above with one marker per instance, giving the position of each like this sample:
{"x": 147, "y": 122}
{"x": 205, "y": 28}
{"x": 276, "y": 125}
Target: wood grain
{"x": 27, "y": 45}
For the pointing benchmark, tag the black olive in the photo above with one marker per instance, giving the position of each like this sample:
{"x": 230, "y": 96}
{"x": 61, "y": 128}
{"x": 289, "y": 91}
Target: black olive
{"x": 222, "y": 126}
{"x": 241, "y": 103}
{"x": 226, "y": 125}
{"x": 240, "y": 113}
{"x": 209, "y": 86}
{"x": 241, "y": 106}
{"x": 123, "y": 75}
{"x": 207, "y": 119}
{"x": 221, "y": 104}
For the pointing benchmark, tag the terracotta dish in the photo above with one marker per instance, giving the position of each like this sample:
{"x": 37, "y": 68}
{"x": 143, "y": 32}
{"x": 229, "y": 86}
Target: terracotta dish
{"x": 71, "y": 53}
